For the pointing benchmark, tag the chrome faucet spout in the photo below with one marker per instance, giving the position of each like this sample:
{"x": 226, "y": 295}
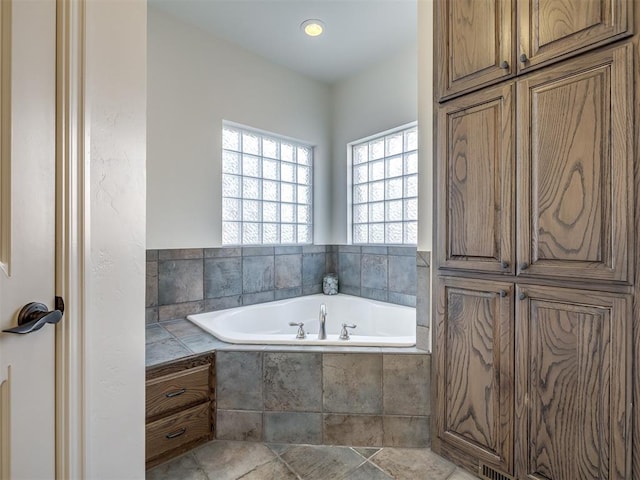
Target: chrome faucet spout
{"x": 322, "y": 320}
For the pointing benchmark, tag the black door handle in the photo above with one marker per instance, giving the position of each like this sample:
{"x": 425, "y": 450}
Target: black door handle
{"x": 33, "y": 316}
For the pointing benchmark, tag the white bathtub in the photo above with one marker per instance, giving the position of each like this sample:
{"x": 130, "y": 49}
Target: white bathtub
{"x": 378, "y": 324}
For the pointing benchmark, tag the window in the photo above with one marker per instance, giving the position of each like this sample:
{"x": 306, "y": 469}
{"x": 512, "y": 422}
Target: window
{"x": 266, "y": 188}
{"x": 385, "y": 188}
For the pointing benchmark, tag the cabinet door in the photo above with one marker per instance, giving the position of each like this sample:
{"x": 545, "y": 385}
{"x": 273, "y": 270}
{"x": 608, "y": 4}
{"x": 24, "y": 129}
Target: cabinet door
{"x": 475, "y": 42}
{"x": 549, "y": 29}
{"x": 475, "y": 181}
{"x": 474, "y": 355}
{"x": 573, "y": 388}
{"x": 575, "y": 168}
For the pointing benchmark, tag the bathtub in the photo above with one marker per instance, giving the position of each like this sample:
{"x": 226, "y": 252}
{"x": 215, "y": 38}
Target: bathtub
{"x": 378, "y": 324}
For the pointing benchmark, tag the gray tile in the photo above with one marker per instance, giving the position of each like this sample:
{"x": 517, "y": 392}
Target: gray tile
{"x": 223, "y": 303}
{"x": 367, "y": 471}
{"x": 253, "y": 251}
{"x": 180, "y": 254}
{"x": 374, "y": 294}
{"x": 284, "y": 293}
{"x": 164, "y": 351}
{"x": 311, "y": 289}
{"x": 374, "y": 271}
{"x": 374, "y": 250}
{"x": 352, "y": 383}
{"x": 406, "y": 384}
{"x": 366, "y": 452}
{"x": 151, "y": 315}
{"x": 154, "y": 333}
{"x": 222, "y": 277}
{"x": 239, "y": 425}
{"x": 239, "y": 379}
{"x": 179, "y": 310}
{"x": 349, "y": 249}
{"x": 222, "y": 252}
{"x": 293, "y": 427}
{"x": 179, "y": 281}
{"x": 331, "y": 263}
{"x": 402, "y": 299}
{"x": 152, "y": 255}
{"x": 402, "y": 274}
{"x": 257, "y": 274}
{"x": 313, "y": 268}
{"x": 151, "y": 294}
{"x": 184, "y": 467}
{"x": 274, "y": 470}
{"x": 406, "y": 431}
{"x": 460, "y": 474}
{"x": 223, "y": 460}
{"x": 279, "y": 448}
{"x": 203, "y": 342}
{"x": 314, "y": 248}
{"x": 293, "y": 382}
{"x": 422, "y": 338}
{"x": 423, "y": 259}
{"x": 182, "y": 328}
{"x": 423, "y": 304}
{"x": 260, "y": 297}
{"x": 349, "y": 269}
{"x": 348, "y": 289}
{"x": 364, "y": 430}
{"x": 288, "y": 250}
{"x": 288, "y": 271}
{"x": 411, "y": 464}
{"x": 322, "y": 462}
{"x": 404, "y": 251}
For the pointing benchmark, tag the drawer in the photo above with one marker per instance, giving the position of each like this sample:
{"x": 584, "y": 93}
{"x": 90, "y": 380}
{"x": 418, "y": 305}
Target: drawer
{"x": 179, "y": 429}
{"x": 177, "y": 390}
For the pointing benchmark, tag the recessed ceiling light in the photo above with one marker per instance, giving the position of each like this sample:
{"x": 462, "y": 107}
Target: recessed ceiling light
{"x": 313, "y": 28}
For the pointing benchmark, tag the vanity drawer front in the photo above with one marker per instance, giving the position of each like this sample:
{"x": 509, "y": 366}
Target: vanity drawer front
{"x": 177, "y": 390}
{"x": 179, "y": 429}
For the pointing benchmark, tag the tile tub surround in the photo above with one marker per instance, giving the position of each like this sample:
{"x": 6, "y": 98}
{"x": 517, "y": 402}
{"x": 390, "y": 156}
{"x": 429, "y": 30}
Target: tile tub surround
{"x": 365, "y": 399}
{"x": 181, "y": 282}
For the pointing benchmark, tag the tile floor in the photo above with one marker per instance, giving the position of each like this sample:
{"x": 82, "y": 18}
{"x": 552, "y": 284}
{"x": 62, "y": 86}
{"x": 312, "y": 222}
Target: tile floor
{"x": 228, "y": 460}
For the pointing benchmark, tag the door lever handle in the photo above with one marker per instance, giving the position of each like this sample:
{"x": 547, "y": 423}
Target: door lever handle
{"x": 33, "y": 316}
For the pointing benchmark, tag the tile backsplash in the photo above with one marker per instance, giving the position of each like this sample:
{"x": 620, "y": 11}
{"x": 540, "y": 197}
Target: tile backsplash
{"x": 185, "y": 281}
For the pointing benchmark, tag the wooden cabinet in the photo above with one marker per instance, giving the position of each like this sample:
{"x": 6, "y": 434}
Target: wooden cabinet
{"x": 475, "y": 148}
{"x": 573, "y": 176}
{"x": 180, "y": 407}
{"x": 480, "y": 42}
{"x": 474, "y": 356}
{"x": 573, "y": 379}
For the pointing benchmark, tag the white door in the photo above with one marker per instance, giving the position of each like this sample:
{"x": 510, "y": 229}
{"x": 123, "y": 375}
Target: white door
{"x": 27, "y": 237}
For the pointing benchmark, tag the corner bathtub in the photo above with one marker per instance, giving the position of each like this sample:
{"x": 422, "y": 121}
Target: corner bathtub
{"x": 379, "y": 324}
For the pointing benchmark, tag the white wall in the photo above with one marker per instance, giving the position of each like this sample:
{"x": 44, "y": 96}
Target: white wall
{"x": 378, "y": 99}
{"x": 194, "y": 82}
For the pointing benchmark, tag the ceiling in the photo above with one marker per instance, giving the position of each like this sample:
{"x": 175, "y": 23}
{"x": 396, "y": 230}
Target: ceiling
{"x": 358, "y": 33}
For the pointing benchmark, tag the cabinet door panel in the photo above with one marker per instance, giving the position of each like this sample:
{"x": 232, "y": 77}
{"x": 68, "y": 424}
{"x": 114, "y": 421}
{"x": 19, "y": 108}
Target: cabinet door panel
{"x": 474, "y": 39}
{"x": 575, "y": 157}
{"x": 474, "y": 397}
{"x": 551, "y": 28}
{"x": 475, "y": 181}
{"x": 572, "y": 384}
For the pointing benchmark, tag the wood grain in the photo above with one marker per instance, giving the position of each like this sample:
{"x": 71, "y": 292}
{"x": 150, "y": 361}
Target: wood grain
{"x": 475, "y": 181}
{"x": 574, "y": 192}
{"x": 474, "y": 404}
{"x": 177, "y": 390}
{"x": 550, "y": 30}
{"x": 572, "y": 384}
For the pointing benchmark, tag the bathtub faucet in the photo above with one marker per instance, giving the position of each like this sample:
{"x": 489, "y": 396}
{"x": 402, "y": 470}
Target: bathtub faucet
{"x": 322, "y": 319}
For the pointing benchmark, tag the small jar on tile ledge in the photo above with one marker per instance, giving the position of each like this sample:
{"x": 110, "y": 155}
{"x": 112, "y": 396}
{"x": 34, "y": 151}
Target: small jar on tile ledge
{"x": 330, "y": 284}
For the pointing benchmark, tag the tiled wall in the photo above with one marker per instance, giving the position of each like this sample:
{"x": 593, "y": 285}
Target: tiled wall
{"x": 185, "y": 281}
{"x": 358, "y": 399}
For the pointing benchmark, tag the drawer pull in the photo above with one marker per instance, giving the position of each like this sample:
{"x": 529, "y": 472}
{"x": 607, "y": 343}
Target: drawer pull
{"x": 177, "y": 393}
{"x": 177, "y": 433}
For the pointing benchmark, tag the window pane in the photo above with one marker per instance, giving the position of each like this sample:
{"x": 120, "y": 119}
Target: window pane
{"x": 251, "y": 188}
{"x": 287, "y": 172}
{"x": 230, "y": 186}
{"x": 394, "y": 144}
{"x": 360, "y": 213}
{"x": 286, "y": 193}
{"x": 377, "y": 170}
{"x": 394, "y": 188}
{"x": 304, "y": 175}
{"x": 394, "y": 233}
{"x": 360, "y": 153}
{"x": 376, "y": 149}
{"x": 411, "y": 209}
{"x": 231, "y": 209}
{"x": 360, "y": 174}
{"x": 230, "y": 162}
{"x": 251, "y": 166}
{"x": 411, "y": 160}
{"x": 230, "y": 139}
{"x": 376, "y": 192}
{"x": 270, "y": 190}
{"x": 411, "y": 139}
{"x": 250, "y": 143}
{"x": 304, "y": 155}
{"x": 394, "y": 166}
{"x": 286, "y": 152}
{"x": 287, "y": 213}
{"x": 360, "y": 193}
{"x": 270, "y": 233}
{"x": 271, "y": 169}
{"x": 376, "y": 212}
{"x": 287, "y": 234}
{"x": 360, "y": 233}
{"x": 303, "y": 233}
{"x": 411, "y": 186}
{"x": 269, "y": 148}
{"x": 230, "y": 233}
{"x": 376, "y": 233}
{"x": 394, "y": 211}
{"x": 250, "y": 233}
{"x": 304, "y": 194}
{"x": 304, "y": 214}
{"x": 250, "y": 211}
{"x": 411, "y": 232}
{"x": 270, "y": 212}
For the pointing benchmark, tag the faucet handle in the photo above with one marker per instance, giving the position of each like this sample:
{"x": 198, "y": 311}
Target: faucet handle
{"x": 301, "y": 334}
{"x": 344, "y": 333}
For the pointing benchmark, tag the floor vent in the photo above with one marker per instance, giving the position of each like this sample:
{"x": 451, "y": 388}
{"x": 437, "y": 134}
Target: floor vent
{"x": 488, "y": 473}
